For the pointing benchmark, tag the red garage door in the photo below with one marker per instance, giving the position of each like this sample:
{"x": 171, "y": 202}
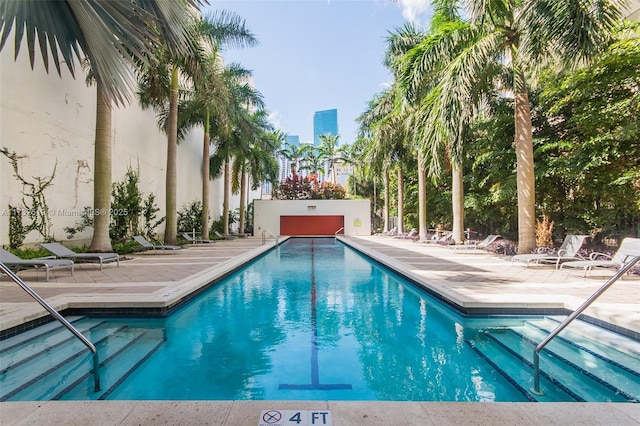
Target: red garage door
{"x": 310, "y": 225}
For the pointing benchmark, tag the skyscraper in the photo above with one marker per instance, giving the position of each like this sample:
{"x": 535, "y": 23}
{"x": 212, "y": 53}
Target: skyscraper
{"x": 324, "y": 122}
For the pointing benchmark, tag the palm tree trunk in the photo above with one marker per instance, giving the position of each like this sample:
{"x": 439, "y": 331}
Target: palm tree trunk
{"x": 386, "y": 201}
{"x": 102, "y": 174}
{"x": 225, "y": 202}
{"x": 422, "y": 197}
{"x": 171, "y": 222}
{"x": 243, "y": 189}
{"x": 204, "y": 232}
{"x": 525, "y": 171}
{"x": 457, "y": 202}
{"x": 400, "y": 201}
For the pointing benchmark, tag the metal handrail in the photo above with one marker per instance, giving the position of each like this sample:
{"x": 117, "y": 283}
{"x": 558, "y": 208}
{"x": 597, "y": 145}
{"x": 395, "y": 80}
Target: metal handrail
{"x": 264, "y": 237}
{"x": 536, "y": 352}
{"x": 60, "y": 318}
{"x": 336, "y": 233}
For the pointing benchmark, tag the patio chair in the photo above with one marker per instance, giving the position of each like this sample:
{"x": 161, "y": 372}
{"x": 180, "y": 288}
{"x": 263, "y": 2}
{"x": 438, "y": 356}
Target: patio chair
{"x": 16, "y": 264}
{"x": 192, "y": 240}
{"x": 568, "y": 251}
{"x": 630, "y": 247}
{"x": 63, "y": 252}
{"x": 225, "y": 237}
{"x": 412, "y": 235}
{"x": 444, "y": 239}
{"x": 477, "y": 246}
{"x": 148, "y": 246}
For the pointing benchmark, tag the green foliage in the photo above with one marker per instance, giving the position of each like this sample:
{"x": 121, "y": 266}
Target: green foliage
{"x": 129, "y": 208}
{"x": 85, "y": 221}
{"x": 34, "y": 202}
{"x": 307, "y": 188}
{"x": 590, "y": 176}
{"x": 150, "y": 216}
{"x": 190, "y": 217}
{"x": 29, "y": 252}
{"x": 17, "y": 231}
{"x": 126, "y": 247}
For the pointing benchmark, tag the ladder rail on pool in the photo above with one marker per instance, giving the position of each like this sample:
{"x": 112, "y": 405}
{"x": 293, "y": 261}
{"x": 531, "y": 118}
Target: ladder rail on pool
{"x": 59, "y": 318}
{"x": 536, "y": 352}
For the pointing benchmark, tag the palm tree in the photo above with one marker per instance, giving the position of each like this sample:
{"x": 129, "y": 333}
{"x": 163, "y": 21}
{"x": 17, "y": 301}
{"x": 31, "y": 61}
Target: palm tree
{"x": 160, "y": 83}
{"x": 111, "y": 39}
{"x": 294, "y": 153}
{"x": 329, "y": 149}
{"x": 242, "y": 130}
{"x": 510, "y": 40}
{"x": 383, "y": 124}
{"x": 258, "y": 162}
{"x": 313, "y": 160}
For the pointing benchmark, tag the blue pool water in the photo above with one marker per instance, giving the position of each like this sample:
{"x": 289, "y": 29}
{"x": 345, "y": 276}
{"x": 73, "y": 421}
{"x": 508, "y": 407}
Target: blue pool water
{"x": 315, "y": 320}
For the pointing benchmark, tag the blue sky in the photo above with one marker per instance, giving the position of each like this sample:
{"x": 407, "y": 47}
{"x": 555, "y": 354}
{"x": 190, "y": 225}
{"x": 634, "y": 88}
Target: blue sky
{"x": 316, "y": 55}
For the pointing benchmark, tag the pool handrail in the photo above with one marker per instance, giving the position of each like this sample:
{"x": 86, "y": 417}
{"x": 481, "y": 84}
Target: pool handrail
{"x": 264, "y": 236}
{"x": 341, "y": 229}
{"x": 61, "y": 319}
{"x": 536, "y": 352}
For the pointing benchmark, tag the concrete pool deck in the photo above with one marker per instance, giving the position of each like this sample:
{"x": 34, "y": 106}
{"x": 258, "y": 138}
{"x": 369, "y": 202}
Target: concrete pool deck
{"x": 473, "y": 279}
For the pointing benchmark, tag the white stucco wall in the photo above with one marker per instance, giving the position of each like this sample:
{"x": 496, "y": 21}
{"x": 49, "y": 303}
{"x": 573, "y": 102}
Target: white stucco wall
{"x": 51, "y": 120}
{"x": 357, "y": 216}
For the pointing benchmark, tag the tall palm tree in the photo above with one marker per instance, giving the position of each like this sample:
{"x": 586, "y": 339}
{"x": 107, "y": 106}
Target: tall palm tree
{"x": 433, "y": 130}
{"x": 329, "y": 149}
{"x": 383, "y": 124}
{"x": 242, "y": 133}
{"x": 111, "y": 36}
{"x": 258, "y": 163}
{"x": 510, "y": 40}
{"x": 159, "y": 84}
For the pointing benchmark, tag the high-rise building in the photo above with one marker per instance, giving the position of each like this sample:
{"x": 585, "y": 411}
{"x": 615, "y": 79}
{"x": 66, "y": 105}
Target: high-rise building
{"x": 324, "y": 122}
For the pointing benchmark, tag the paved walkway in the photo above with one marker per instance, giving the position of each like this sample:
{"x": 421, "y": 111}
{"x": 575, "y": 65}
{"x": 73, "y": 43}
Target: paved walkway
{"x": 474, "y": 280}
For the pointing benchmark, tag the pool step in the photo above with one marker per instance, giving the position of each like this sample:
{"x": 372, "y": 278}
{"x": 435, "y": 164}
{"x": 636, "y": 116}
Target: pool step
{"x": 51, "y": 364}
{"x": 573, "y": 366}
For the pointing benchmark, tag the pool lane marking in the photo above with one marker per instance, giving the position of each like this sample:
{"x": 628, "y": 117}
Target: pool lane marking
{"x": 315, "y": 365}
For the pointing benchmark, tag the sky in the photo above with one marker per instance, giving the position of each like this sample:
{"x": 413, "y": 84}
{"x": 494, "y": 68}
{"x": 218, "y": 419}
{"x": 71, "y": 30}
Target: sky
{"x": 315, "y": 55}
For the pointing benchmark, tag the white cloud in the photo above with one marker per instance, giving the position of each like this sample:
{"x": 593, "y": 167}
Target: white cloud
{"x": 415, "y": 11}
{"x": 274, "y": 118}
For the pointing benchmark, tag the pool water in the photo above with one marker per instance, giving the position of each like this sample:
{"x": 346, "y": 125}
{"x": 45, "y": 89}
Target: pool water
{"x": 316, "y": 320}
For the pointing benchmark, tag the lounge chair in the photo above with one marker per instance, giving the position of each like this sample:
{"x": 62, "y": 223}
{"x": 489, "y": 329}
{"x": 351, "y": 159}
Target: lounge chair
{"x": 148, "y": 246}
{"x": 412, "y": 235}
{"x": 630, "y": 247}
{"x": 568, "y": 251}
{"x": 477, "y": 246}
{"x": 444, "y": 239}
{"x": 192, "y": 240}
{"x": 16, "y": 264}
{"x": 63, "y": 252}
{"x": 225, "y": 237}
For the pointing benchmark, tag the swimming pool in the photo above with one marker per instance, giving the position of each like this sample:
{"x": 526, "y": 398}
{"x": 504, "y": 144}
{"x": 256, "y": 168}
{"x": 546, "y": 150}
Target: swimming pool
{"x": 316, "y": 320}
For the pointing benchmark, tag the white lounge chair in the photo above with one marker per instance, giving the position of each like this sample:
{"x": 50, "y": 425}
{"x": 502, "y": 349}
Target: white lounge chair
{"x": 477, "y": 246}
{"x": 63, "y": 252}
{"x": 225, "y": 237}
{"x": 568, "y": 251}
{"x": 148, "y": 246}
{"x": 412, "y": 235}
{"x": 192, "y": 240}
{"x": 16, "y": 264}
{"x": 630, "y": 247}
{"x": 435, "y": 239}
